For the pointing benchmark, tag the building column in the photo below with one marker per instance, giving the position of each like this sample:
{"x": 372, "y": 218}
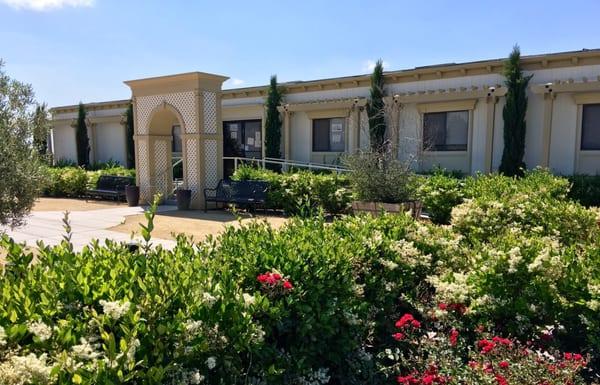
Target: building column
{"x": 286, "y": 133}
{"x": 491, "y": 101}
{"x": 547, "y": 128}
{"x": 91, "y": 131}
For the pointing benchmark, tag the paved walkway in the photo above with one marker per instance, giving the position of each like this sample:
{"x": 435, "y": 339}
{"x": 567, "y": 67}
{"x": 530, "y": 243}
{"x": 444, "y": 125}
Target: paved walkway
{"x": 47, "y": 226}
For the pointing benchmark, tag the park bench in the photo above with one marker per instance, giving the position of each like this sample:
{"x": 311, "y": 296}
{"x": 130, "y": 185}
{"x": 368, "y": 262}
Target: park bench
{"x": 111, "y": 186}
{"x": 245, "y": 193}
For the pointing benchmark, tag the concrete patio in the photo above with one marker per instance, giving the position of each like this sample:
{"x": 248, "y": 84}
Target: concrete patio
{"x": 47, "y": 226}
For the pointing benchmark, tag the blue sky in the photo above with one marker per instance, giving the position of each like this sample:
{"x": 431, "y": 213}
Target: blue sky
{"x": 72, "y": 50}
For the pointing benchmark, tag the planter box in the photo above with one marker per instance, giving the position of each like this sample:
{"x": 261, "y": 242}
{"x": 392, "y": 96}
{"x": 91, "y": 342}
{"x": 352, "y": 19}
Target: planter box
{"x": 376, "y": 208}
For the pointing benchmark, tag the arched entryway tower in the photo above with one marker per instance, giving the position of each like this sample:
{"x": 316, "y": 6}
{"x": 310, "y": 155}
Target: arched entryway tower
{"x": 191, "y": 101}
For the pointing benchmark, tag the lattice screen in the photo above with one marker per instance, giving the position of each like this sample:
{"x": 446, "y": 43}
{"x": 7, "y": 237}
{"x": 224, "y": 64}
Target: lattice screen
{"x": 210, "y": 112}
{"x": 193, "y": 178}
{"x": 184, "y": 102}
{"x": 161, "y": 167}
{"x": 143, "y": 170}
{"x": 210, "y": 163}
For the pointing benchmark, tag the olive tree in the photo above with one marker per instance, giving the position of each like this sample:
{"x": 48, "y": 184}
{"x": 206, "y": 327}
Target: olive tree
{"x": 22, "y": 173}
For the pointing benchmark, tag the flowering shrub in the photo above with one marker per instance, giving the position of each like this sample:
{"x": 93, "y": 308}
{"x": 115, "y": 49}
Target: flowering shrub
{"x": 439, "y": 353}
{"x": 311, "y": 303}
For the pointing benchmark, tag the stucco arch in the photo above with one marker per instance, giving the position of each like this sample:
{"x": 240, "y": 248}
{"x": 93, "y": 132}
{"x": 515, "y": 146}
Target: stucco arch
{"x": 163, "y": 117}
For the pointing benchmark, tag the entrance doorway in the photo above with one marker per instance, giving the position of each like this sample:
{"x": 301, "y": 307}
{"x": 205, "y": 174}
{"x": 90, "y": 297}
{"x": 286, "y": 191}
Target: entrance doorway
{"x": 241, "y": 138}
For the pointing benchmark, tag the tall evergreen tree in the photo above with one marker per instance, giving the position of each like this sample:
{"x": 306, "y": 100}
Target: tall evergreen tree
{"x": 376, "y": 108}
{"x": 129, "y": 136}
{"x": 41, "y": 129}
{"x": 81, "y": 138}
{"x": 273, "y": 120}
{"x": 514, "y": 113}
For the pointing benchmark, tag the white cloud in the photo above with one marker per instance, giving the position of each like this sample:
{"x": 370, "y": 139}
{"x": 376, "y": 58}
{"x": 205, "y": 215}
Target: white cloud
{"x": 45, "y": 5}
{"x": 369, "y": 65}
{"x": 237, "y": 82}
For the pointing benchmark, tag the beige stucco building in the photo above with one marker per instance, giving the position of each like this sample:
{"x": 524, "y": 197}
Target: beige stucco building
{"x": 448, "y": 115}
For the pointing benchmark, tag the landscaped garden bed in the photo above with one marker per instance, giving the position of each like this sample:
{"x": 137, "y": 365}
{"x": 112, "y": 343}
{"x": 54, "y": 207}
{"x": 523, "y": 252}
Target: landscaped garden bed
{"x": 508, "y": 294}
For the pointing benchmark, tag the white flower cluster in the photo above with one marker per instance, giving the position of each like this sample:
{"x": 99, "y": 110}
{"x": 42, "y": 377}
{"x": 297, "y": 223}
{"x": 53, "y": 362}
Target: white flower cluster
{"x": 410, "y": 255}
{"x": 2, "y": 336}
{"x": 186, "y": 377}
{"x": 40, "y": 329}
{"x": 192, "y": 328}
{"x": 23, "y": 370}
{"x": 211, "y": 362}
{"x": 248, "y": 299}
{"x": 86, "y": 350}
{"x": 208, "y": 299}
{"x": 453, "y": 288}
{"x": 318, "y": 377}
{"x": 114, "y": 309}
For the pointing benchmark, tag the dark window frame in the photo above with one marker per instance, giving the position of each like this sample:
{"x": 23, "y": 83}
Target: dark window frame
{"x": 320, "y": 147}
{"x": 444, "y": 147}
{"x": 595, "y": 126}
{"x": 175, "y": 141}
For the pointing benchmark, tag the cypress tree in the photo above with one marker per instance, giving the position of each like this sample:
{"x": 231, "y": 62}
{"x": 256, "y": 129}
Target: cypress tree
{"x": 81, "y": 138}
{"x": 41, "y": 128}
{"x": 129, "y": 136}
{"x": 273, "y": 120}
{"x": 514, "y": 113}
{"x": 376, "y": 108}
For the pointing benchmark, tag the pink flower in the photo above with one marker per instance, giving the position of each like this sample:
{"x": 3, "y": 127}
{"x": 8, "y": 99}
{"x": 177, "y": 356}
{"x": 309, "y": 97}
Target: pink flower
{"x": 398, "y": 336}
{"x": 442, "y": 306}
{"x": 287, "y": 285}
{"x": 504, "y": 364}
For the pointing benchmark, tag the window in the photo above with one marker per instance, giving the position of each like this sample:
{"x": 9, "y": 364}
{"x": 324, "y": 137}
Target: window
{"x": 590, "y": 127}
{"x": 176, "y": 145}
{"x": 329, "y": 135}
{"x": 446, "y": 131}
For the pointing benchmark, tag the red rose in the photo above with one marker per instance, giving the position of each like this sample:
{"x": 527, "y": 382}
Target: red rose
{"x": 453, "y": 336}
{"x": 473, "y": 364}
{"x": 276, "y": 276}
{"x": 262, "y": 278}
{"x": 398, "y": 336}
{"x": 415, "y": 324}
{"x": 442, "y": 306}
{"x": 404, "y": 320}
{"x": 501, "y": 380}
{"x": 504, "y": 364}
{"x": 287, "y": 285}
{"x": 407, "y": 380}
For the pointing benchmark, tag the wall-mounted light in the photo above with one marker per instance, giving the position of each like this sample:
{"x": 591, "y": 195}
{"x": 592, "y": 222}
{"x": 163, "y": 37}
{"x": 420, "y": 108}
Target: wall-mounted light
{"x": 548, "y": 87}
{"x": 491, "y": 91}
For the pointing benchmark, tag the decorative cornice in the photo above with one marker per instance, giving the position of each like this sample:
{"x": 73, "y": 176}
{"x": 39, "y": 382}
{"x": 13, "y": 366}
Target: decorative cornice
{"x": 442, "y": 71}
{"x": 109, "y": 105}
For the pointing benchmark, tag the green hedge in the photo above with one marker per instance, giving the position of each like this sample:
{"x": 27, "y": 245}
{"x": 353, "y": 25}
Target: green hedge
{"x": 302, "y": 192}
{"x": 220, "y": 312}
{"x": 441, "y": 192}
{"x": 74, "y": 181}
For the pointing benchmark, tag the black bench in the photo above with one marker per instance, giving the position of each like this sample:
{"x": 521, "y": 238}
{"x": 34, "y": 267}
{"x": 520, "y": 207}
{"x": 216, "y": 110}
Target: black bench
{"x": 247, "y": 193}
{"x": 111, "y": 186}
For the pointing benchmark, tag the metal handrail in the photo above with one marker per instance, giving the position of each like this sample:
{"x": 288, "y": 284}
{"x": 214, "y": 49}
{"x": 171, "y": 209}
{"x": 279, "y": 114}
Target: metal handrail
{"x": 285, "y": 163}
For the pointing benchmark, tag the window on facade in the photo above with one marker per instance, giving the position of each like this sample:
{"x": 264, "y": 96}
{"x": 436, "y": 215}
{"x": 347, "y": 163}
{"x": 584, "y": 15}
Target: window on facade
{"x": 590, "y": 127}
{"x": 329, "y": 135}
{"x": 446, "y": 131}
{"x": 176, "y": 132}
